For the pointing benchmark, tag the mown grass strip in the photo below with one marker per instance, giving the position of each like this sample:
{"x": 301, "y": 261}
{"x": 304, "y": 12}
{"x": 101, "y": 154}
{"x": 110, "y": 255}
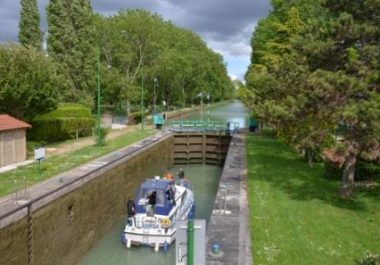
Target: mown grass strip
{"x": 14, "y": 180}
{"x": 297, "y": 216}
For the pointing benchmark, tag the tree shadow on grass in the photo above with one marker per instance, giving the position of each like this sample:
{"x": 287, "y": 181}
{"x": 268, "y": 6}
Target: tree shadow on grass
{"x": 282, "y": 167}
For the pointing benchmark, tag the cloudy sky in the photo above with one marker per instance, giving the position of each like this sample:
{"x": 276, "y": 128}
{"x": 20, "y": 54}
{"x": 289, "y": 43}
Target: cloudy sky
{"x": 226, "y": 25}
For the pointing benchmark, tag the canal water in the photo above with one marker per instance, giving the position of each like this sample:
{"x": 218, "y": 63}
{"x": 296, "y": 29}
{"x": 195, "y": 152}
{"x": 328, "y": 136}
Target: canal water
{"x": 204, "y": 179}
{"x": 228, "y": 111}
{"x": 110, "y": 250}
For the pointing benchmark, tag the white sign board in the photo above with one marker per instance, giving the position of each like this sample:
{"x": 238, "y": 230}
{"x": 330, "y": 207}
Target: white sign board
{"x": 39, "y": 153}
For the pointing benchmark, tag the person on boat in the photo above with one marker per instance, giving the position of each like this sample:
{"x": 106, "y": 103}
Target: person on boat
{"x": 170, "y": 195}
{"x": 131, "y": 209}
{"x": 151, "y": 203}
{"x": 181, "y": 174}
{"x": 168, "y": 175}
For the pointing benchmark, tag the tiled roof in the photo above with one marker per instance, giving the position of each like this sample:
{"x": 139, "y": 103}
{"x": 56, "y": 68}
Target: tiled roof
{"x": 9, "y": 123}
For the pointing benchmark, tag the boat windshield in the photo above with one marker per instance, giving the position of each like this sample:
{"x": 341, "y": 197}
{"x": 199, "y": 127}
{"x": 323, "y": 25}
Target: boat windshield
{"x": 143, "y": 196}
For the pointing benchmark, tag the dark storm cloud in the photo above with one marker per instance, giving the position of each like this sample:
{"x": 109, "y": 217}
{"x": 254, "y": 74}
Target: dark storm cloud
{"x": 226, "y": 25}
{"x": 221, "y": 19}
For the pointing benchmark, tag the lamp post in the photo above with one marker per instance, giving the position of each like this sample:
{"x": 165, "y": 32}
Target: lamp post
{"x": 98, "y": 137}
{"x": 142, "y": 96}
{"x": 142, "y": 87}
{"x": 155, "y": 96}
{"x": 208, "y": 108}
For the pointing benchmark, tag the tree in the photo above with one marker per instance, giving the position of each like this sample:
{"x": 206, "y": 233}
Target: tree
{"x": 29, "y": 82}
{"x": 29, "y": 25}
{"x": 135, "y": 42}
{"x": 314, "y": 67}
{"x": 71, "y": 42}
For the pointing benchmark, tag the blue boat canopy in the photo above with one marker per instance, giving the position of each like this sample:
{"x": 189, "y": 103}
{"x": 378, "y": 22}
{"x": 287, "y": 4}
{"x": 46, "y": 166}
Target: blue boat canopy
{"x": 164, "y": 193}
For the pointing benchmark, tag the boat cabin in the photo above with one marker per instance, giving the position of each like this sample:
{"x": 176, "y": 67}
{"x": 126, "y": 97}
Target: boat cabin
{"x": 164, "y": 196}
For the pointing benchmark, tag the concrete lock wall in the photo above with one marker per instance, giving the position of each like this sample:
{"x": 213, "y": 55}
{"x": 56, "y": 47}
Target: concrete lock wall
{"x": 66, "y": 228}
{"x": 62, "y": 230}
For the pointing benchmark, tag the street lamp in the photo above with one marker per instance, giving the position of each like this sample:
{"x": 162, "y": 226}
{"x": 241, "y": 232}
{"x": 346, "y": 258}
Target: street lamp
{"x": 142, "y": 86}
{"x": 154, "y": 96}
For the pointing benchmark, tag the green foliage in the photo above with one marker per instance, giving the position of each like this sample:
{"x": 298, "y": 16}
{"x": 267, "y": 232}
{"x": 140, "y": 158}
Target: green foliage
{"x": 63, "y": 123}
{"x": 71, "y": 42}
{"x": 30, "y": 33}
{"x": 71, "y": 110}
{"x": 59, "y": 129}
{"x": 370, "y": 259}
{"x": 298, "y": 217}
{"x": 55, "y": 165}
{"x": 138, "y": 47}
{"x": 30, "y": 82}
{"x": 314, "y": 67}
{"x": 135, "y": 117}
{"x": 100, "y": 136}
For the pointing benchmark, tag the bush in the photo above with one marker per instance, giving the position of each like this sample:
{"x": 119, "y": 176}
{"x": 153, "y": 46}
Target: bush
{"x": 367, "y": 171}
{"x": 364, "y": 171}
{"x": 370, "y": 259}
{"x": 71, "y": 110}
{"x": 62, "y": 124}
{"x": 135, "y": 117}
{"x": 100, "y": 137}
{"x": 332, "y": 171}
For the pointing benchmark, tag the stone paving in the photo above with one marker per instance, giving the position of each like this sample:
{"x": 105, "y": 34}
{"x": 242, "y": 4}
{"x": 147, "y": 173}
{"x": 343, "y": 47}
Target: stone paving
{"x": 229, "y": 223}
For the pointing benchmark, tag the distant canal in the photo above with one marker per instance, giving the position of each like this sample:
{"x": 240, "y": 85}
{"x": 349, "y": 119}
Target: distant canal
{"x": 229, "y": 112}
{"x": 204, "y": 179}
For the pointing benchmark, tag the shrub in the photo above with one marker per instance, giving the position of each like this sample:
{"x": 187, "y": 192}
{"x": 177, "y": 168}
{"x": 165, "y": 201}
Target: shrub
{"x": 100, "y": 136}
{"x": 135, "y": 117}
{"x": 62, "y": 124}
{"x": 370, "y": 259}
{"x": 364, "y": 170}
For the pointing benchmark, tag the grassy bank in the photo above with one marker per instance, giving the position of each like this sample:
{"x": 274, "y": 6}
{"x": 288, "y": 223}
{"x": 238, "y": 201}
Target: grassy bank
{"x": 12, "y": 180}
{"x": 297, "y": 216}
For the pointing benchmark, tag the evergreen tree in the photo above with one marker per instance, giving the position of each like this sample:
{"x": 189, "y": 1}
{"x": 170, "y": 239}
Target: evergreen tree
{"x": 29, "y": 26}
{"x": 71, "y": 42}
{"x": 315, "y": 66}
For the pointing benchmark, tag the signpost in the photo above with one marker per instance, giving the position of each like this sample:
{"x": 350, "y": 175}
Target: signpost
{"x": 39, "y": 154}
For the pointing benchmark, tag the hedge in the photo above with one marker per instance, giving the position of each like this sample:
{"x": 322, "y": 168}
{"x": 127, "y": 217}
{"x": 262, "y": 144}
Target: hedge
{"x": 364, "y": 171}
{"x": 71, "y": 110}
{"x": 62, "y": 124}
{"x": 59, "y": 129}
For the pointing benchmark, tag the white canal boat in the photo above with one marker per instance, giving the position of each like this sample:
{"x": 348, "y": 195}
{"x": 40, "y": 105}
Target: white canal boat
{"x": 159, "y": 204}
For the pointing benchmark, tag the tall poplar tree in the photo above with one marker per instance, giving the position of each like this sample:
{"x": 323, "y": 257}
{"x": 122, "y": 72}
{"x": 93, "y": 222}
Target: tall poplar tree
{"x": 71, "y": 41}
{"x": 30, "y": 33}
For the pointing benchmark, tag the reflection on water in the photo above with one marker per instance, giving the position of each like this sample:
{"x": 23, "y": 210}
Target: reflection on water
{"x": 110, "y": 250}
{"x": 228, "y": 112}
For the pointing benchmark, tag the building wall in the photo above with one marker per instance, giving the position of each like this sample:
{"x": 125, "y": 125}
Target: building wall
{"x": 12, "y": 147}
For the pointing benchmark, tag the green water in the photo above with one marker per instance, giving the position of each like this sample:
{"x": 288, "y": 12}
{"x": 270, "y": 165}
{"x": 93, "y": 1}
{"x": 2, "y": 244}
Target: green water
{"x": 110, "y": 250}
{"x": 228, "y": 112}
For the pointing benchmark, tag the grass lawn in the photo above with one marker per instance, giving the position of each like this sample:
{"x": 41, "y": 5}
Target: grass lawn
{"x": 297, "y": 216}
{"x": 12, "y": 180}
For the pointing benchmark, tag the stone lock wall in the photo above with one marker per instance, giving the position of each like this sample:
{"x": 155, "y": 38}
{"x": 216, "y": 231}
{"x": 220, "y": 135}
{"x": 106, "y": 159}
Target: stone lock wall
{"x": 61, "y": 230}
{"x": 65, "y": 229}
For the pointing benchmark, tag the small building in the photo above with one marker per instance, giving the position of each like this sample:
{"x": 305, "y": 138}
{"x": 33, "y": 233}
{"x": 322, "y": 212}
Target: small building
{"x": 12, "y": 140}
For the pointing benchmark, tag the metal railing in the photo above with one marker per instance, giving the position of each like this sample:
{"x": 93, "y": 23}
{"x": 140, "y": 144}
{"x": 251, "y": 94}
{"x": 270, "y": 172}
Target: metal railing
{"x": 199, "y": 125}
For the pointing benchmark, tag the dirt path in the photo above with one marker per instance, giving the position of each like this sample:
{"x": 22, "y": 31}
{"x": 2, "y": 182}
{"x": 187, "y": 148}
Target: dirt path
{"x": 73, "y": 145}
